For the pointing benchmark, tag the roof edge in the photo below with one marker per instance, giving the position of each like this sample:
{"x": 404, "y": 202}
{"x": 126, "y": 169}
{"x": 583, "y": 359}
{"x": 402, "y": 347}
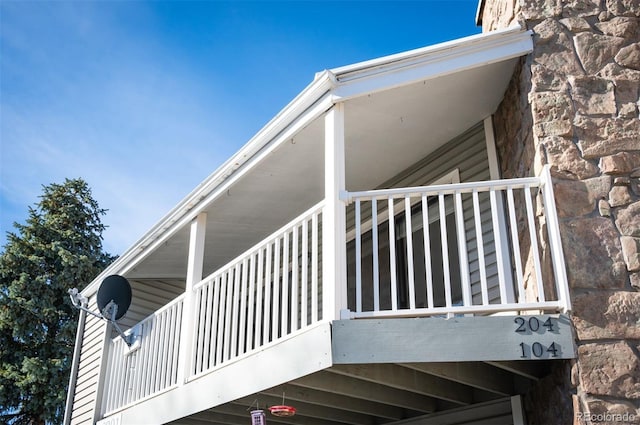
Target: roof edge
{"x": 432, "y": 51}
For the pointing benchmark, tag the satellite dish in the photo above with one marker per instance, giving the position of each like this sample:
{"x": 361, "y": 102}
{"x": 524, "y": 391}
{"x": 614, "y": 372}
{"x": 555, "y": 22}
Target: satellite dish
{"x": 114, "y": 297}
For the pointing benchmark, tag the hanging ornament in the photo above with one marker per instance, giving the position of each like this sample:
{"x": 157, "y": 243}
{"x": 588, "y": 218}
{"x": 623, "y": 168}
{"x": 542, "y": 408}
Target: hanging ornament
{"x": 258, "y": 417}
{"x": 282, "y": 410}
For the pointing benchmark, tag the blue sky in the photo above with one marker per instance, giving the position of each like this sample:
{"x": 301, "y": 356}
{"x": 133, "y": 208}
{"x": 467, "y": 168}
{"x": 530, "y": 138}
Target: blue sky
{"x": 145, "y": 99}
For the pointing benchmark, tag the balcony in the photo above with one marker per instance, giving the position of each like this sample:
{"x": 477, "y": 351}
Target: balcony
{"x": 470, "y": 256}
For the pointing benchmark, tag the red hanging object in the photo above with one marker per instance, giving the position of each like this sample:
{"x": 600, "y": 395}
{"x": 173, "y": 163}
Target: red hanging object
{"x": 282, "y": 411}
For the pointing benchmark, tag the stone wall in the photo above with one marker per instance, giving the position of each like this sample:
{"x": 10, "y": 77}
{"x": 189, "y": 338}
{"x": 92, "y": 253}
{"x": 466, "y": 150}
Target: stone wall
{"x": 573, "y": 104}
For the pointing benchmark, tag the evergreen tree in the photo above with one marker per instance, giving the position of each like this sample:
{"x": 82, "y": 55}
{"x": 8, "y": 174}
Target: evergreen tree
{"x": 59, "y": 247}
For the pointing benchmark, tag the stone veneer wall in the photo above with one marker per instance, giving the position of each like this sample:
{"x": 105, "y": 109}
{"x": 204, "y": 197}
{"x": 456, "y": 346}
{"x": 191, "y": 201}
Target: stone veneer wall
{"x": 573, "y": 104}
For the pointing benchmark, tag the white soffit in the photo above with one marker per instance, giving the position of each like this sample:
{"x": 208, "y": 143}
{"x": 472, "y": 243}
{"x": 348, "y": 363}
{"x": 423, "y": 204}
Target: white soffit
{"x": 327, "y": 88}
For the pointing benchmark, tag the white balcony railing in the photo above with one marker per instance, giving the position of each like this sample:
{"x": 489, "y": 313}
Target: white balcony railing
{"x": 456, "y": 249}
{"x": 151, "y": 367}
{"x": 468, "y": 248}
{"x": 265, "y": 295}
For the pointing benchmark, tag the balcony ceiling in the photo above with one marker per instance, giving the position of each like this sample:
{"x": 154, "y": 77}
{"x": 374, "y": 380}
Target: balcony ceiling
{"x": 387, "y": 393}
{"x": 385, "y": 132}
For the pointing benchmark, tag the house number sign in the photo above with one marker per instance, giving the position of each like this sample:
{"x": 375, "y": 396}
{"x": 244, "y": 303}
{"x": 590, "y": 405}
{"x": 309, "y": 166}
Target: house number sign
{"x": 530, "y": 328}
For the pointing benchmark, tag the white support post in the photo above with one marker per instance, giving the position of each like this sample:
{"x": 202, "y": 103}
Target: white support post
{"x": 334, "y": 252}
{"x": 555, "y": 242}
{"x": 195, "y": 263}
{"x": 498, "y": 210}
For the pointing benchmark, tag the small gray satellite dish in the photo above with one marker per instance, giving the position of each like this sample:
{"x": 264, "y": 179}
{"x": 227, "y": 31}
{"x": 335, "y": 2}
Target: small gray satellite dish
{"x": 114, "y": 297}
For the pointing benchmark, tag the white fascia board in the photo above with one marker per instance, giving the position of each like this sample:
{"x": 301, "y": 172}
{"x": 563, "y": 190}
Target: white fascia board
{"x": 431, "y": 62}
{"x": 304, "y": 108}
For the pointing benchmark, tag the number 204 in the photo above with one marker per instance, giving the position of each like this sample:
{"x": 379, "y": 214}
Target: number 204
{"x": 533, "y": 324}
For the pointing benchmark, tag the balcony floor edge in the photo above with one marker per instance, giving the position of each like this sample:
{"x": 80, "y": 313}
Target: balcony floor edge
{"x": 306, "y": 353}
{"x": 456, "y": 339}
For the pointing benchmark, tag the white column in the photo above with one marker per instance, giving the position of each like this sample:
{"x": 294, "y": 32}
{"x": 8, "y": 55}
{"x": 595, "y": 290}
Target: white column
{"x": 334, "y": 269}
{"x": 498, "y": 214}
{"x": 195, "y": 263}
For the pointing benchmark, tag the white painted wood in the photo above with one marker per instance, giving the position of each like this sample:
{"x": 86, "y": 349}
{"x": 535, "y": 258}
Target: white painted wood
{"x": 238, "y": 323}
{"x": 200, "y": 313}
{"x": 444, "y": 189}
{"x": 392, "y": 254}
{"x": 501, "y": 249}
{"x": 288, "y": 359}
{"x": 209, "y": 342}
{"x": 304, "y": 292}
{"x": 553, "y": 228}
{"x": 462, "y": 250}
{"x": 233, "y": 352}
{"x": 492, "y": 154}
{"x": 534, "y": 243}
{"x": 284, "y": 320}
{"x": 251, "y": 314}
{"x": 314, "y": 271}
{"x": 471, "y": 224}
{"x": 334, "y": 269}
{"x": 376, "y": 265}
{"x": 515, "y": 245}
{"x": 266, "y": 332}
{"x": 358, "y": 258}
{"x": 513, "y": 308}
{"x": 427, "y": 250}
{"x": 422, "y": 67}
{"x": 134, "y": 375}
{"x": 195, "y": 264}
{"x": 220, "y": 295}
{"x": 258, "y": 337}
{"x": 445, "y": 249}
{"x": 275, "y": 305}
{"x": 295, "y": 272}
{"x": 228, "y": 309}
{"x": 221, "y": 319}
{"x": 409, "y": 253}
{"x": 480, "y": 248}
{"x": 172, "y": 337}
{"x": 501, "y": 234}
{"x": 160, "y": 353}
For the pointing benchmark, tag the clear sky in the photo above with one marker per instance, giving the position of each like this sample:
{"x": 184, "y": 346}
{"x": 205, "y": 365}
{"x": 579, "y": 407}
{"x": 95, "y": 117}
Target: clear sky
{"x": 145, "y": 99}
